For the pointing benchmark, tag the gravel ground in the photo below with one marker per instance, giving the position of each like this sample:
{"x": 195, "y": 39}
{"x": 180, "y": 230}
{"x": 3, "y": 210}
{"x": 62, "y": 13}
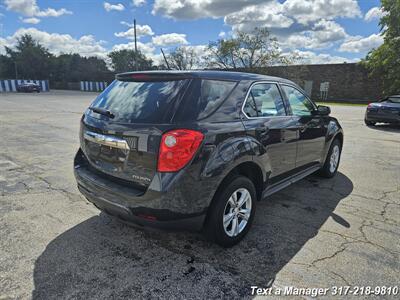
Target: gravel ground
{"x": 316, "y": 233}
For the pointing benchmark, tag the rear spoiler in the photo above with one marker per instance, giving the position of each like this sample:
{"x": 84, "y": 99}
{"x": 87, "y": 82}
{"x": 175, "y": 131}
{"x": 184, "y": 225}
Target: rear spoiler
{"x": 153, "y": 76}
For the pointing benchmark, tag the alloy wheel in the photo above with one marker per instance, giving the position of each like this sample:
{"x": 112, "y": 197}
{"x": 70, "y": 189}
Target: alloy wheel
{"x": 334, "y": 160}
{"x": 237, "y": 212}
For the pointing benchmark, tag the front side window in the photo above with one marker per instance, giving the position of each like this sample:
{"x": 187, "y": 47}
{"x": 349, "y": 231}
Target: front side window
{"x": 300, "y": 104}
{"x": 393, "y": 99}
{"x": 264, "y": 100}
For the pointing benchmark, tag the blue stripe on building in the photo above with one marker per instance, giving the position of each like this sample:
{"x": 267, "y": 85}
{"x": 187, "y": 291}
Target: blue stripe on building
{"x": 13, "y": 85}
{"x": 10, "y": 85}
{"x": 93, "y": 86}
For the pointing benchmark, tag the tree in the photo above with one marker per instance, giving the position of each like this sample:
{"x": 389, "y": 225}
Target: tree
{"x": 223, "y": 54}
{"x": 7, "y": 67}
{"x": 32, "y": 60}
{"x": 384, "y": 62}
{"x": 73, "y": 68}
{"x": 183, "y": 58}
{"x": 246, "y": 50}
{"x": 129, "y": 60}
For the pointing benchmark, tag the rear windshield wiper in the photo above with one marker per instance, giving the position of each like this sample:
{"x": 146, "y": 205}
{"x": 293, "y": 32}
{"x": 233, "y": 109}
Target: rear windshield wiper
{"x": 102, "y": 111}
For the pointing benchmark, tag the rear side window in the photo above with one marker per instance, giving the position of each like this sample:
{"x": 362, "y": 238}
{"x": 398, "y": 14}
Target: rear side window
{"x": 139, "y": 102}
{"x": 264, "y": 100}
{"x": 393, "y": 99}
{"x": 204, "y": 97}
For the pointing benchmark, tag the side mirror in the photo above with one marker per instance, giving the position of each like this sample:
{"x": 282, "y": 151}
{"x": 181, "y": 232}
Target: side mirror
{"x": 323, "y": 110}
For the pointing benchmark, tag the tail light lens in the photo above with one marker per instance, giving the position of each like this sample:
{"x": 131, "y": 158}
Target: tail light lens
{"x": 369, "y": 105}
{"x": 177, "y": 148}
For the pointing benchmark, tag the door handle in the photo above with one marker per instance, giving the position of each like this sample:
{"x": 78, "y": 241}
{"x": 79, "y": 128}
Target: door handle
{"x": 262, "y": 130}
{"x": 303, "y": 128}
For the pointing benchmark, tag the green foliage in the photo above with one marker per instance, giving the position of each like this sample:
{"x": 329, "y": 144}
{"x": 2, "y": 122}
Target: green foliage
{"x": 384, "y": 62}
{"x": 73, "y": 67}
{"x": 32, "y": 59}
{"x": 6, "y": 67}
{"x": 129, "y": 60}
{"x": 223, "y": 54}
{"x": 247, "y": 50}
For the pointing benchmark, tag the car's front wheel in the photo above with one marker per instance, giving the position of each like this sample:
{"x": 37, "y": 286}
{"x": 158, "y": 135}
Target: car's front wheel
{"x": 332, "y": 160}
{"x": 232, "y": 212}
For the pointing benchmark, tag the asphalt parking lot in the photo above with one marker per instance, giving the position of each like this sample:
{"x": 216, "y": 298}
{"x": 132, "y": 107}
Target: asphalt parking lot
{"x": 316, "y": 233}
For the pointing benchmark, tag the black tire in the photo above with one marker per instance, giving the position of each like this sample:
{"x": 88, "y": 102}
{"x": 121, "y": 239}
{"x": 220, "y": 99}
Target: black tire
{"x": 326, "y": 170}
{"x": 369, "y": 123}
{"x": 214, "y": 228}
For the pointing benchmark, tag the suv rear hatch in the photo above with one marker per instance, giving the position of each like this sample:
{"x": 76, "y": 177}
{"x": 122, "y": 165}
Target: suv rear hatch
{"x": 122, "y": 129}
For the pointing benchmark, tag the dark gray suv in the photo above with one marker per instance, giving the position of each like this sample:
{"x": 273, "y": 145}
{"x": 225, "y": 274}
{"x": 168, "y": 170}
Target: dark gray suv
{"x": 197, "y": 150}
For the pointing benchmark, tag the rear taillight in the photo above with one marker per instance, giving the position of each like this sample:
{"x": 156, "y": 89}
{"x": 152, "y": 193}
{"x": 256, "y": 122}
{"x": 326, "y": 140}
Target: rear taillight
{"x": 369, "y": 105}
{"x": 177, "y": 148}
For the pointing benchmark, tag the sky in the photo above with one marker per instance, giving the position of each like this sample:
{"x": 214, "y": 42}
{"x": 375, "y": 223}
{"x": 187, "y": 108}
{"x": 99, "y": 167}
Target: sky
{"x": 320, "y": 31}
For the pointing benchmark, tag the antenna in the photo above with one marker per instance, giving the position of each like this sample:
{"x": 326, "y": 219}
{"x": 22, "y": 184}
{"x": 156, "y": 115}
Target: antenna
{"x": 165, "y": 59}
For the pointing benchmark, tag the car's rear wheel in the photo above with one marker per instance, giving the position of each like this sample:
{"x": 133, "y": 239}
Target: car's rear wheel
{"x": 369, "y": 123}
{"x": 332, "y": 160}
{"x": 231, "y": 213}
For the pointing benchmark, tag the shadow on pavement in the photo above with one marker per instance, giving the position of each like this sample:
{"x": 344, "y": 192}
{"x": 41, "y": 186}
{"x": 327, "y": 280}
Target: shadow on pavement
{"x": 102, "y": 258}
{"x": 386, "y": 127}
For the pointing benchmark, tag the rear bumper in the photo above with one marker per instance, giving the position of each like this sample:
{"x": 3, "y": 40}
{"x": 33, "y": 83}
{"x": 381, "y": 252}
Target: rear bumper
{"x": 147, "y": 219}
{"x": 384, "y": 118}
{"x": 160, "y": 208}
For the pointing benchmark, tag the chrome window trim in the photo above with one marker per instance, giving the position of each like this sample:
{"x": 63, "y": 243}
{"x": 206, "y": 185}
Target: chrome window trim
{"x": 106, "y": 140}
{"x": 247, "y": 96}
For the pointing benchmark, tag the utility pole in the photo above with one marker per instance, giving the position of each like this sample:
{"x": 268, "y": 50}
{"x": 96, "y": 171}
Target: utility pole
{"x": 134, "y": 29}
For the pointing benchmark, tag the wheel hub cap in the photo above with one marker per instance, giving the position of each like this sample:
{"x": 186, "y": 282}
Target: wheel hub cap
{"x": 237, "y": 212}
{"x": 334, "y": 159}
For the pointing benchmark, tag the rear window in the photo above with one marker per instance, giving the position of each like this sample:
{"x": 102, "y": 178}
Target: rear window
{"x": 204, "y": 97}
{"x": 140, "y": 102}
